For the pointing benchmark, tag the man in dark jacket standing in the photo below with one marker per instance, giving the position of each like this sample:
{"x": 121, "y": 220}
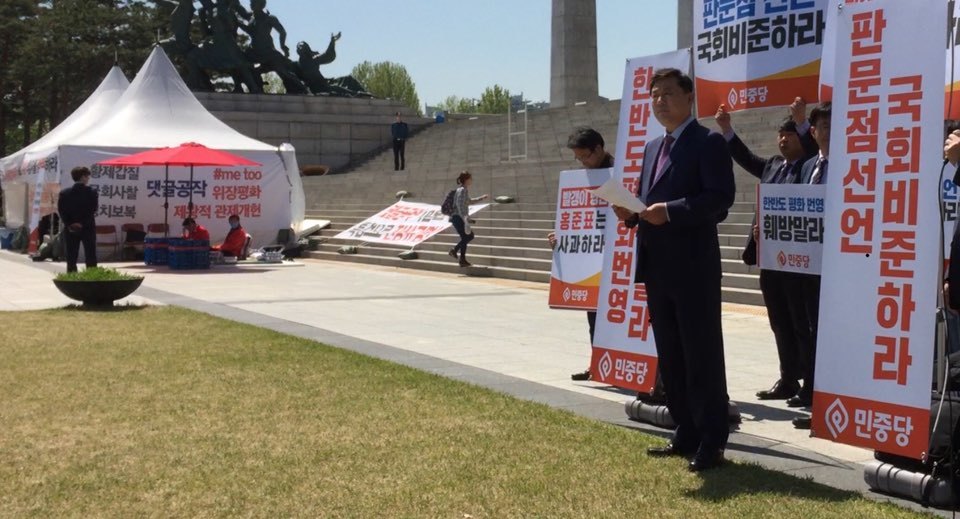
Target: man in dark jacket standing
{"x": 399, "y": 131}
{"x": 688, "y": 187}
{"x": 77, "y": 206}
{"x": 782, "y": 291}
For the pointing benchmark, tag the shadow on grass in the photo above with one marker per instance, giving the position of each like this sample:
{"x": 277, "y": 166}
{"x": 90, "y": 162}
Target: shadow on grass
{"x": 104, "y": 308}
{"x": 734, "y": 480}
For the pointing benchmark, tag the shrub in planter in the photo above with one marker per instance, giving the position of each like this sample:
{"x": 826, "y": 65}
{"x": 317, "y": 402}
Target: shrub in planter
{"x": 97, "y": 286}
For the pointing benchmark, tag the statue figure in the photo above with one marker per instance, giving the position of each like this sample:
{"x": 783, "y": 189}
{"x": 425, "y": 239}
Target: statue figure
{"x": 221, "y": 53}
{"x": 180, "y": 20}
{"x": 263, "y": 52}
{"x": 309, "y": 71}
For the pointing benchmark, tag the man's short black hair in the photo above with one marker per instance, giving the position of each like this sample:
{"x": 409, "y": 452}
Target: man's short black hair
{"x": 188, "y": 221}
{"x": 79, "y": 172}
{"x": 585, "y": 138}
{"x": 821, "y": 111}
{"x": 683, "y": 80}
{"x": 234, "y": 217}
{"x": 789, "y": 125}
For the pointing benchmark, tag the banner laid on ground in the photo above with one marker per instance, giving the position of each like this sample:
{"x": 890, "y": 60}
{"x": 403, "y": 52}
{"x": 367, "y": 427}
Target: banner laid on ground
{"x": 578, "y": 256}
{"x": 624, "y": 353}
{"x": 881, "y": 234}
{"x": 757, "y": 54}
{"x": 791, "y": 227}
{"x": 403, "y": 223}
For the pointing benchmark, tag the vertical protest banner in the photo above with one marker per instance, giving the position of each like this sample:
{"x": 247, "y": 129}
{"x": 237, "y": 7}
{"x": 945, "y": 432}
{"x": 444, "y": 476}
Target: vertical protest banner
{"x": 580, "y": 223}
{"x": 791, "y": 227}
{"x": 624, "y": 353}
{"x": 952, "y": 71}
{"x": 757, "y": 54}
{"x": 879, "y": 288}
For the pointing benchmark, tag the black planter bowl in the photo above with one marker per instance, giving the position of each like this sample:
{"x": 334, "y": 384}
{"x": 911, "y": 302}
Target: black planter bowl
{"x": 98, "y": 293}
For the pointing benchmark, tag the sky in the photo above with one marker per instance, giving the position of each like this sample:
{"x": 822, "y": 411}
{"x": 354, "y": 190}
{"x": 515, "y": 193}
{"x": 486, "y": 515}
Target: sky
{"x": 460, "y": 47}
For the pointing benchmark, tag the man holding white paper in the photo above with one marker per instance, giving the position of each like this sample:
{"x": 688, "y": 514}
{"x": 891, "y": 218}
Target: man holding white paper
{"x": 687, "y": 186}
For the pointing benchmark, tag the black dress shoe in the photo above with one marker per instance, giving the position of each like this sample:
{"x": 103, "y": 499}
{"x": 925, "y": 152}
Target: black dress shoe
{"x": 803, "y": 399}
{"x": 781, "y": 390}
{"x": 706, "y": 460}
{"x": 802, "y": 422}
{"x": 670, "y": 449}
{"x": 655, "y": 398}
{"x": 581, "y": 376}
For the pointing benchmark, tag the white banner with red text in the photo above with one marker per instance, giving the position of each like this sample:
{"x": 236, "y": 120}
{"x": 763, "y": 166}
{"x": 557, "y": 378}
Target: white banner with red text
{"x": 579, "y": 227}
{"x": 403, "y": 223}
{"x": 624, "y": 352}
{"x": 754, "y": 54}
{"x": 790, "y": 227}
{"x": 881, "y": 232}
{"x": 952, "y": 61}
{"x": 260, "y": 195}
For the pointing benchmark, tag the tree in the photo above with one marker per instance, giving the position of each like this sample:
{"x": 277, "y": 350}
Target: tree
{"x": 494, "y": 100}
{"x": 388, "y": 80}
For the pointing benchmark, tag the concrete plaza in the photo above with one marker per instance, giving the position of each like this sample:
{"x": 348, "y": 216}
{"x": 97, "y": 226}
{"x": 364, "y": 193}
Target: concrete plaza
{"x": 495, "y": 333}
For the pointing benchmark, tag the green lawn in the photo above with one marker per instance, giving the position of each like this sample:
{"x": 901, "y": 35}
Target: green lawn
{"x": 163, "y": 412}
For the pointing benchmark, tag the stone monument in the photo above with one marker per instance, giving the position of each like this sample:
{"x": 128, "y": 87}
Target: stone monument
{"x": 573, "y": 52}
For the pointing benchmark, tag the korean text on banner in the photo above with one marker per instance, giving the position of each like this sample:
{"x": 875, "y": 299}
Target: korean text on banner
{"x": 879, "y": 291}
{"x": 624, "y": 353}
{"x": 578, "y": 256}
{"x": 791, "y": 227}
{"x": 403, "y": 223}
{"x": 757, "y": 54}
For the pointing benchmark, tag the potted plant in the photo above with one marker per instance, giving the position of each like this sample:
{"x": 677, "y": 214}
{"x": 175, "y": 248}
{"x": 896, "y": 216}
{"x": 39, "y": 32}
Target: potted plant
{"x": 97, "y": 286}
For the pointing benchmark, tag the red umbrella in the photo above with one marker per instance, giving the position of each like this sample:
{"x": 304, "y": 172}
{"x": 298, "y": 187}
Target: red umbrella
{"x": 187, "y": 154}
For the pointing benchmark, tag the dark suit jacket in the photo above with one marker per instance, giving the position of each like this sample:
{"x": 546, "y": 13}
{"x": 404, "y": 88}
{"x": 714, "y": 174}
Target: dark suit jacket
{"x": 698, "y": 188}
{"x": 765, "y": 170}
{"x": 953, "y": 271}
{"x": 78, "y": 204}
{"x": 806, "y": 174}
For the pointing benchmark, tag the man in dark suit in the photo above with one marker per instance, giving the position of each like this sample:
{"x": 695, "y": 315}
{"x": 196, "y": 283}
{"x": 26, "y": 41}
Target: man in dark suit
{"x": 688, "y": 187}
{"x": 78, "y": 206}
{"x": 814, "y": 172}
{"x": 782, "y": 291}
{"x": 399, "y": 131}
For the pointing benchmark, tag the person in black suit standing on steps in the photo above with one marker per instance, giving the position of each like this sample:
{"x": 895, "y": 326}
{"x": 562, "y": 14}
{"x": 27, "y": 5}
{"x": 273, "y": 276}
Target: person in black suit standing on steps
{"x": 78, "y": 206}
{"x": 399, "y": 131}
{"x": 688, "y": 186}
{"x": 782, "y": 291}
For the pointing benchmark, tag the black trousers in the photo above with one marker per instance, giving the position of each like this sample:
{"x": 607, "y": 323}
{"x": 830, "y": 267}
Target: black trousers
{"x": 811, "y": 299}
{"x": 784, "y": 297}
{"x": 465, "y": 238}
{"x": 592, "y": 322}
{"x": 399, "y": 160}
{"x": 685, "y": 315}
{"x": 73, "y": 240}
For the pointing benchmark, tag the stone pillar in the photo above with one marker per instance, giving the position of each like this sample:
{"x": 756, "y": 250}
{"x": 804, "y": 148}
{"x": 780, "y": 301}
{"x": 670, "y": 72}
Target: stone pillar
{"x": 573, "y": 52}
{"x": 684, "y": 23}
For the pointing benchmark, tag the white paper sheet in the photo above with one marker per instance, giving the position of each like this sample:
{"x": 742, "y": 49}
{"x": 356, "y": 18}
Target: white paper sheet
{"x": 613, "y": 191}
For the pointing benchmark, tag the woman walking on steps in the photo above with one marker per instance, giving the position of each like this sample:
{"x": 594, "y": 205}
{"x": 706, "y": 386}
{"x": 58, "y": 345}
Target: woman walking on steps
{"x": 461, "y": 216}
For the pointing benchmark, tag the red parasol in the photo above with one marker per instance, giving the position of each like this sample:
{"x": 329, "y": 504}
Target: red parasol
{"x": 187, "y": 154}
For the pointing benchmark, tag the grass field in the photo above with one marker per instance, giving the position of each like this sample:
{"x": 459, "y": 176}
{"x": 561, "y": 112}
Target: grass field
{"x": 162, "y": 412}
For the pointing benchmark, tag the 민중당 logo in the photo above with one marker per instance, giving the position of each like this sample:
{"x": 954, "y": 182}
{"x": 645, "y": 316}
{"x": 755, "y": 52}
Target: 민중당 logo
{"x": 732, "y": 98}
{"x": 782, "y": 259}
{"x": 836, "y": 418}
{"x": 566, "y": 294}
{"x": 605, "y": 366}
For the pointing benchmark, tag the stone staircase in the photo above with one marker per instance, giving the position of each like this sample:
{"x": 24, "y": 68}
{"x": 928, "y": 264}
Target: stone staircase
{"x": 510, "y": 237}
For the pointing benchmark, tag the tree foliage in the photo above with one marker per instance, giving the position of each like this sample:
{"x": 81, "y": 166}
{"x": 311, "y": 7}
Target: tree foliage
{"x": 388, "y": 80}
{"x": 494, "y": 100}
{"x": 54, "y": 53}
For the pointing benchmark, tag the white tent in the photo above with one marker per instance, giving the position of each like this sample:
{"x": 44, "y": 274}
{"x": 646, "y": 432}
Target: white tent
{"x": 159, "y": 110}
{"x": 33, "y": 158}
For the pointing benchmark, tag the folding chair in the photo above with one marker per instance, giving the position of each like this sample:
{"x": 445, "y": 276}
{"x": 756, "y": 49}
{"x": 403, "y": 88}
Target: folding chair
{"x": 157, "y": 229}
{"x": 133, "y": 236}
{"x": 107, "y": 241}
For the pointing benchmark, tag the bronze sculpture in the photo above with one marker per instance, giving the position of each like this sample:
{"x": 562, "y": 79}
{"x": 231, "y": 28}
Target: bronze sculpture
{"x": 219, "y": 50}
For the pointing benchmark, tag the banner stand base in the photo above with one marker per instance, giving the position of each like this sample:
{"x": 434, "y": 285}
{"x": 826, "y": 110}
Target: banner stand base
{"x": 916, "y": 486}
{"x": 659, "y": 416}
